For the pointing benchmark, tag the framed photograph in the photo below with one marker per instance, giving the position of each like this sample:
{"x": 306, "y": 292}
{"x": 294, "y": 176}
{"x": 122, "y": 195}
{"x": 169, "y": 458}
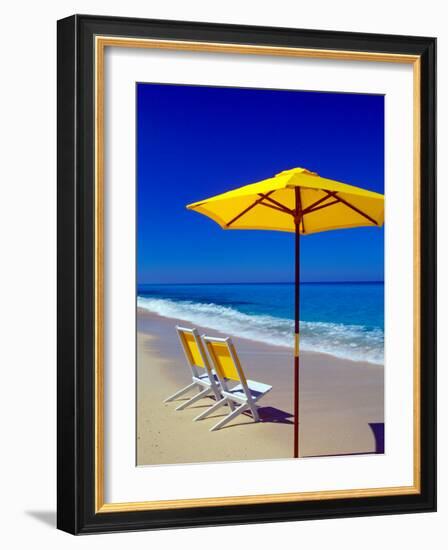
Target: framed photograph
{"x": 246, "y": 274}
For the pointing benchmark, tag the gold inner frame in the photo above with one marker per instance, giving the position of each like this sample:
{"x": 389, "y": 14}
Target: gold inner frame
{"x": 101, "y": 42}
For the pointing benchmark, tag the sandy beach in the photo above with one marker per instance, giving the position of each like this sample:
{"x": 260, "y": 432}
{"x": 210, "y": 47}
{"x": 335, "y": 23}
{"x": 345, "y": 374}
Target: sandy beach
{"x": 341, "y": 403}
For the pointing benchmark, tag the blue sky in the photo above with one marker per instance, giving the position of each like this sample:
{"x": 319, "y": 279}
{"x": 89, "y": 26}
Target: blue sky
{"x": 196, "y": 141}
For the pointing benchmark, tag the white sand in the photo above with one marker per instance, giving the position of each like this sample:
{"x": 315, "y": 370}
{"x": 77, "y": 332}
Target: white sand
{"x": 341, "y": 403}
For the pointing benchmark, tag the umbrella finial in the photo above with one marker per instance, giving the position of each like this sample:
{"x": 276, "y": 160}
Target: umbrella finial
{"x": 297, "y": 170}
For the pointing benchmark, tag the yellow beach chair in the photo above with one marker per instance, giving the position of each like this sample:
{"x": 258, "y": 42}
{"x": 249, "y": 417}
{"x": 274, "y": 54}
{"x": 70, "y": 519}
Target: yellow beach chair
{"x": 245, "y": 394}
{"x": 201, "y": 372}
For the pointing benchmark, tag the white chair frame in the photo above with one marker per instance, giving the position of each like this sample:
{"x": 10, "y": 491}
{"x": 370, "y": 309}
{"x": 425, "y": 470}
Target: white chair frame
{"x": 249, "y": 391}
{"x": 207, "y": 383}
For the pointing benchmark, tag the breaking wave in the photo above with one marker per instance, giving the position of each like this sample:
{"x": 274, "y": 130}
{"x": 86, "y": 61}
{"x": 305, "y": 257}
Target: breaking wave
{"x": 355, "y": 342}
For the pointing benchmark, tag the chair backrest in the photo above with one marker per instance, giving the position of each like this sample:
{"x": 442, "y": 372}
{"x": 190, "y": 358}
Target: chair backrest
{"x": 193, "y": 350}
{"x": 223, "y": 354}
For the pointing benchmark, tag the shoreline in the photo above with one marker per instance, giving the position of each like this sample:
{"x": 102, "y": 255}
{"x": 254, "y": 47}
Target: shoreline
{"x": 289, "y": 349}
{"x": 341, "y": 403}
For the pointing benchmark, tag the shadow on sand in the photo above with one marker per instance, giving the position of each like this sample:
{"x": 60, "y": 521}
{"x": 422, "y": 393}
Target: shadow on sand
{"x": 378, "y": 433}
{"x": 277, "y": 416}
{"x": 267, "y": 414}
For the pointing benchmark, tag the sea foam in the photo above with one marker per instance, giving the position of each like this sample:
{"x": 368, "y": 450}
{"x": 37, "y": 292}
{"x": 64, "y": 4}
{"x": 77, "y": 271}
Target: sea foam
{"x": 355, "y": 342}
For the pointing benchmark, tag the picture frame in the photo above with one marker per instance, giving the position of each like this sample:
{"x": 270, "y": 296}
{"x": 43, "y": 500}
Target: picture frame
{"x": 82, "y": 41}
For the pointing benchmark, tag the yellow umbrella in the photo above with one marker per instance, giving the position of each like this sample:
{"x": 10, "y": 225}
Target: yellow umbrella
{"x": 301, "y": 202}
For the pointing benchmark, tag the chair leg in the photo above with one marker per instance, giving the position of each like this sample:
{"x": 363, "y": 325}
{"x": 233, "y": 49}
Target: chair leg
{"x": 195, "y": 398}
{"x": 179, "y": 393}
{"x": 230, "y": 417}
{"x": 211, "y": 409}
{"x": 254, "y": 411}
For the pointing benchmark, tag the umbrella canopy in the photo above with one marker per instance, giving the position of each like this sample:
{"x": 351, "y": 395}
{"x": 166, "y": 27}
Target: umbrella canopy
{"x": 298, "y": 201}
{"x": 263, "y": 205}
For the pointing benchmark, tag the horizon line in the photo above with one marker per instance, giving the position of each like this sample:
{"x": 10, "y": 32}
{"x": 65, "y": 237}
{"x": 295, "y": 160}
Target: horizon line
{"x": 268, "y": 283}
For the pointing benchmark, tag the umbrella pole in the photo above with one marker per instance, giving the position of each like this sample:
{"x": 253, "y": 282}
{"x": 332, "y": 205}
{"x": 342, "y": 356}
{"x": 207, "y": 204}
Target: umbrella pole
{"x": 296, "y": 338}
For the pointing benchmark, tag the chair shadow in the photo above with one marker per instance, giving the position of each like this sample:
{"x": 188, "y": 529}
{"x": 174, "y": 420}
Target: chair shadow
{"x": 48, "y": 517}
{"x": 277, "y": 416}
{"x": 267, "y": 414}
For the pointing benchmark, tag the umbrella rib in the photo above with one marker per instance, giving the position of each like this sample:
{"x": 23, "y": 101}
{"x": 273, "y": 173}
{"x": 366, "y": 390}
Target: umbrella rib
{"x": 314, "y": 207}
{"x": 307, "y": 211}
{"x": 311, "y": 207}
{"x": 246, "y": 210}
{"x": 274, "y": 207}
{"x": 357, "y": 210}
{"x": 277, "y": 203}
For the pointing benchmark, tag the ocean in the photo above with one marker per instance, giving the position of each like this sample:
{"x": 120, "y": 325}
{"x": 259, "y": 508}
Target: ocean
{"x": 343, "y": 319}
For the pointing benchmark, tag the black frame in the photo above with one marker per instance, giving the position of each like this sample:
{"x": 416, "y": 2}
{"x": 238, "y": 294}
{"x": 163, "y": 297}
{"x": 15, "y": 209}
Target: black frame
{"x": 75, "y": 403}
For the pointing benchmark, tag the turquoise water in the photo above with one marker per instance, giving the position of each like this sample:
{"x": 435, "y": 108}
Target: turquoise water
{"x": 344, "y": 319}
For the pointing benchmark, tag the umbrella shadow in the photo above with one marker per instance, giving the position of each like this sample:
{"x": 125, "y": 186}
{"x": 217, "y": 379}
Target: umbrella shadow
{"x": 378, "y": 433}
